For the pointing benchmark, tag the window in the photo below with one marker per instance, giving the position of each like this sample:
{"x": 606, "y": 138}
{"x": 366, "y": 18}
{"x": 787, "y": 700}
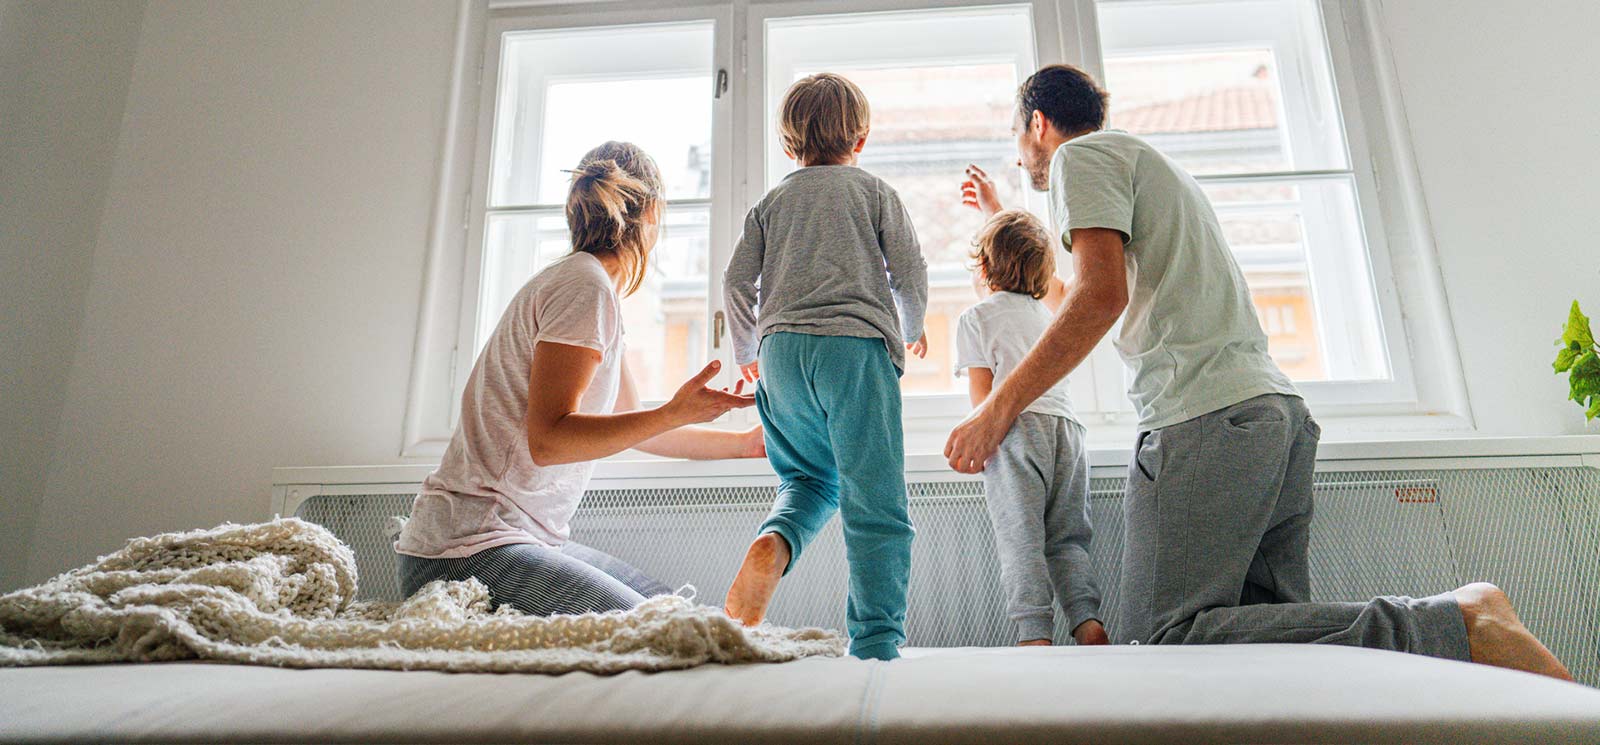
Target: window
{"x": 1280, "y": 108}
{"x": 1241, "y": 93}
{"x": 562, "y": 92}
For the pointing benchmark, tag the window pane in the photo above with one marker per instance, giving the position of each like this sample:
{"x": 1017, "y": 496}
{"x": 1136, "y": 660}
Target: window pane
{"x": 563, "y": 92}
{"x": 1300, "y": 247}
{"x": 560, "y": 93}
{"x": 665, "y": 321}
{"x": 1232, "y": 86}
{"x": 515, "y": 248}
{"x": 942, "y": 87}
{"x": 666, "y": 318}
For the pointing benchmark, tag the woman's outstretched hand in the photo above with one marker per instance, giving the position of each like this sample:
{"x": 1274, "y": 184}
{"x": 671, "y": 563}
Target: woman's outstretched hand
{"x": 694, "y": 403}
{"x": 978, "y": 192}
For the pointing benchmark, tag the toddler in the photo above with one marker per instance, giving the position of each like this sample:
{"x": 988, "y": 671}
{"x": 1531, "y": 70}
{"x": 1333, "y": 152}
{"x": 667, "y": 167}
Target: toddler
{"x": 824, "y": 289}
{"x": 1037, "y": 485}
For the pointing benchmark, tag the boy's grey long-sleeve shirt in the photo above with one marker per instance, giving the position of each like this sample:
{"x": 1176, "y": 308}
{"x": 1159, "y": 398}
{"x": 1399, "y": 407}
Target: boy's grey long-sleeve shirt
{"x": 829, "y": 251}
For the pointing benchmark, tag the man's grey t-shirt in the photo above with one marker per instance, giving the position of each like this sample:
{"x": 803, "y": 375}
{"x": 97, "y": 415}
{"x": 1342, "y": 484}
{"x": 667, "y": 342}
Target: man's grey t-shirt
{"x": 831, "y": 252}
{"x": 1190, "y": 336}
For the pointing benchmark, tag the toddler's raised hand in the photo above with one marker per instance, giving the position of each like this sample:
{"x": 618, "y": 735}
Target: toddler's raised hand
{"x": 919, "y": 347}
{"x": 978, "y": 192}
{"x": 752, "y": 371}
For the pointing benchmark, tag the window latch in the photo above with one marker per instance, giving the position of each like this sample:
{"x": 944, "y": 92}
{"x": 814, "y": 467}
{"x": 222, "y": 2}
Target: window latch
{"x": 719, "y": 325}
{"x": 722, "y": 83}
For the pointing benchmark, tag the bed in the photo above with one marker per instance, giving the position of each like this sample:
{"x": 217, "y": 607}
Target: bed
{"x": 1126, "y": 694}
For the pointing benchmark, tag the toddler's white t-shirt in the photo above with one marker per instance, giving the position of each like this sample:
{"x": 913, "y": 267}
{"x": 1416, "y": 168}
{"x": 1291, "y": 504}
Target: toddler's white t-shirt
{"x": 488, "y": 491}
{"x": 998, "y": 333}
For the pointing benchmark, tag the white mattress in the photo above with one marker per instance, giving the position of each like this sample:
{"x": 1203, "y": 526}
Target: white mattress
{"x": 1257, "y": 693}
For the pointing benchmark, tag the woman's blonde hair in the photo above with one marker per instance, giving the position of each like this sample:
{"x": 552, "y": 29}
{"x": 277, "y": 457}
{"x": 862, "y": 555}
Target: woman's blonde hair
{"x": 615, "y": 188}
{"x": 822, "y": 117}
{"x": 1013, "y": 250}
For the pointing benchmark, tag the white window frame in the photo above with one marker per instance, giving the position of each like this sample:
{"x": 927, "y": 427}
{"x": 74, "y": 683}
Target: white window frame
{"x": 1413, "y": 312}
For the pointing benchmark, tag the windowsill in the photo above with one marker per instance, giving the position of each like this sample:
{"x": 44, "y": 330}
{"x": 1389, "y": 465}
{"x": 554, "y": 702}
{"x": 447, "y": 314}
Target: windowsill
{"x": 928, "y": 463}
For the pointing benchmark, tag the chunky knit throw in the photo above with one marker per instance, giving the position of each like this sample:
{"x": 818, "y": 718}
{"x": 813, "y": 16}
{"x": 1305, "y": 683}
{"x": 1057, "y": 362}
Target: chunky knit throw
{"x": 280, "y": 593}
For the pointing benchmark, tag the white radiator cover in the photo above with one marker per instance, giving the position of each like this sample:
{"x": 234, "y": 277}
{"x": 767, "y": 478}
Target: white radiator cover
{"x": 1390, "y": 519}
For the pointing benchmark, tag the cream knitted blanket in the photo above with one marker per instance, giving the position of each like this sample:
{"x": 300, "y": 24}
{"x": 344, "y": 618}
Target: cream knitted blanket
{"x": 280, "y": 593}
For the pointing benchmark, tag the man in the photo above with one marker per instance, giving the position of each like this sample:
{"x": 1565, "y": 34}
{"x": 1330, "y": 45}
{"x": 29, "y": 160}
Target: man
{"x": 1218, "y": 505}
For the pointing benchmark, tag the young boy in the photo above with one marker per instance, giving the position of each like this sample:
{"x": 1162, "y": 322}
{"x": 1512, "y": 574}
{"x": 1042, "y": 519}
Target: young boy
{"x": 1037, "y": 485}
{"x": 832, "y": 254}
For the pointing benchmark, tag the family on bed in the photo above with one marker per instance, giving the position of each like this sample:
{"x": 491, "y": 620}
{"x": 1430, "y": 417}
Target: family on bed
{"x": 825, "y": 294}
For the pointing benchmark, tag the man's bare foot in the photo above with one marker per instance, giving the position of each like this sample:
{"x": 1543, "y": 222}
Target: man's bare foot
{"x": 757, "y": 579}
{"x": 1034, "y": 643}
{"x": 1090, "y": 633}
{"x": 1497, "y": 637}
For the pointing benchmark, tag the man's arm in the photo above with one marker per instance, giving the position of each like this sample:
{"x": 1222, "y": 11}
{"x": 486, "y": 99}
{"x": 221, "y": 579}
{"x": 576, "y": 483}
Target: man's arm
{"x": 1094, "y": 301}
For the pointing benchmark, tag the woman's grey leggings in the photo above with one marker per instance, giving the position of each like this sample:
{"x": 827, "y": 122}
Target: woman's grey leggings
{"x": 539, "y": 580}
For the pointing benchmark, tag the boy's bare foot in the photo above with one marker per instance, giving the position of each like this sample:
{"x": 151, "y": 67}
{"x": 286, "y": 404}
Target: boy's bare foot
{"x": 1090, "y": 632}
{"x": 1034, "y": 643}
{"x": 757, "y": 579}
{"x": 1497, "y": 637}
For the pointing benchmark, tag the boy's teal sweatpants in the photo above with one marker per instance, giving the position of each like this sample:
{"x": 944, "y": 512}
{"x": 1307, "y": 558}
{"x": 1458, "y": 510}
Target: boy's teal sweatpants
{"x": 830, "y": 408}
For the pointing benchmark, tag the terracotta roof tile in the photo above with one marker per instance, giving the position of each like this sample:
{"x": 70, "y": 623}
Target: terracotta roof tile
{"x": 1220, "y": 110}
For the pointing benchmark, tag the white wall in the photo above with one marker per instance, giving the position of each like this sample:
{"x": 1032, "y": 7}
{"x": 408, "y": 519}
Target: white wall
{"x": 1505, "y": 122}
{"x": 258, "y": 265}
{"x": 65, "y": 81}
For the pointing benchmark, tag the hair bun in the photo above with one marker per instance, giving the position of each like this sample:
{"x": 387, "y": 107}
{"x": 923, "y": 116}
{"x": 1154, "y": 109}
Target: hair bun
{"x": 597, "y": 170}
{"x": 611, "y": 190}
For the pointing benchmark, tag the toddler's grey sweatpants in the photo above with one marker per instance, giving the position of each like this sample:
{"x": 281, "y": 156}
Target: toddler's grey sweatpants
{"x": 1037, "y": 489}
{"x": 1218, "y": 514}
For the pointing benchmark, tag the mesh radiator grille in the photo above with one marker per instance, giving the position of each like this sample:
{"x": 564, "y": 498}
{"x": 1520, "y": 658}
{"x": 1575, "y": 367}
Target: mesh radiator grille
{"x": 1533, "y": 531}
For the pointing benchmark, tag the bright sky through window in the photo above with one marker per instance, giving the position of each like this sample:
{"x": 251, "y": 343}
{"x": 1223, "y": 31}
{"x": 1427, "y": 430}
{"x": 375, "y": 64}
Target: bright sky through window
{"x": 583, "y": 114}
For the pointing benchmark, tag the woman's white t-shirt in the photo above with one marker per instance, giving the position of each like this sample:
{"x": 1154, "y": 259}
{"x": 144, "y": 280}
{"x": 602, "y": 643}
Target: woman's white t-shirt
{"x": 488, "y": 491}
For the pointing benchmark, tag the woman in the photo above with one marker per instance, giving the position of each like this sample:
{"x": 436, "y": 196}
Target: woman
{"x": 539, "y": 409}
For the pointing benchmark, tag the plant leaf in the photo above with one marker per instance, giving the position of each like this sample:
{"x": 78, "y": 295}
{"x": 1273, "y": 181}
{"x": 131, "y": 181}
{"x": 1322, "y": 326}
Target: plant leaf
{"x": 1568, "y": 355}
{"x": 1594, "y": 408}
{"x": 1577, "y": 330}
{"x": 1585, "y": 377}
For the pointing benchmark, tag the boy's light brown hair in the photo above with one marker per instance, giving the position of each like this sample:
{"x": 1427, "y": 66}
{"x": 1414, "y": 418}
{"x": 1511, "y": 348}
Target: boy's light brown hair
{"x": 1013, "y": 250}
{"x": 821, "y": 119}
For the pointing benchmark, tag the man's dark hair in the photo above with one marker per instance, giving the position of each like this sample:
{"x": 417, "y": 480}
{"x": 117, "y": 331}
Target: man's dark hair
{"x": 1066, "y": 95}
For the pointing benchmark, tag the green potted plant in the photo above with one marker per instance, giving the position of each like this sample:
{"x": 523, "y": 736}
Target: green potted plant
{"x": 1580, "y": 360}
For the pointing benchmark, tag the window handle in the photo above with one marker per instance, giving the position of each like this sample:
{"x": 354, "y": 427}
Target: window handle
{"x": 719, "y": 324}
{"x": 722, "y": 84}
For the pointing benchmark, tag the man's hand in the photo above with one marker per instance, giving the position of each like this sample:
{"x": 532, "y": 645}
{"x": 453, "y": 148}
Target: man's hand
{"x": 752, "y": 371}
{"x": 919, "y": 347}
{"x": 974, "y": 441}
{"x": 979, "y": 193}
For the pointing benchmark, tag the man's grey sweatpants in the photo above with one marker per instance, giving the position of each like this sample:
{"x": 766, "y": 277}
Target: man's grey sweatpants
{"x": 1218, "y": 514}
{"x": 1037, "y": 489}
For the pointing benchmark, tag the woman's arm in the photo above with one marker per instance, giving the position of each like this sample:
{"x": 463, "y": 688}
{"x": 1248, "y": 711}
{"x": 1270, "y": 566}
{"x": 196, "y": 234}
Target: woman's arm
{"x": 694, "y": 443}
{"x": 980, "y": 380}
{"x": 558, "y": 433}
